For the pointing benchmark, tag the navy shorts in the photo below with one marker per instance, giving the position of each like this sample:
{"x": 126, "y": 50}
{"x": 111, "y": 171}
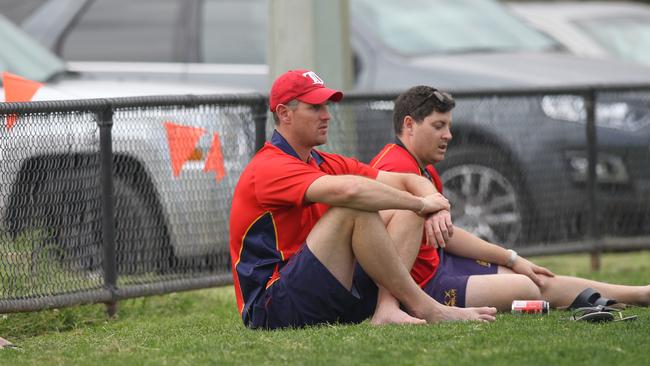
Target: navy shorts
{"x": 449, "y": 285}
{"x": 308, "y": 294}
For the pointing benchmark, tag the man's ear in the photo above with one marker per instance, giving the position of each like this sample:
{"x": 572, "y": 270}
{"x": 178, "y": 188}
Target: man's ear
{"x": 407, "y": 125}
{"x": 283, "y": 113}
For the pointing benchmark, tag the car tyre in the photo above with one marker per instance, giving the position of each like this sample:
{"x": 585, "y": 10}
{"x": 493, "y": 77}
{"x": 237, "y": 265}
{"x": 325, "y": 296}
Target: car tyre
{"x": 486, "y": 193}
{"x": 141, "y": 240}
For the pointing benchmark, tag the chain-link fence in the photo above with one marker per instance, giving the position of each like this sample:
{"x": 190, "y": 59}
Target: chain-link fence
{"x": 545, "y": 171}
{"x": 102, "y": 200}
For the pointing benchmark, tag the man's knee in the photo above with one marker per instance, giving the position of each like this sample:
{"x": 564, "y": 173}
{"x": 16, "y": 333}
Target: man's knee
{"x": 525, "y": 288}
{"x": 338, "y": 224}
{"x": 406, "y": 218}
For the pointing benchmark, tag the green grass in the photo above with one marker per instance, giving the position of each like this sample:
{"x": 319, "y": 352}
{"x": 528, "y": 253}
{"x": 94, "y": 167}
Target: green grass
{"x": 32, "y": 267}
{"x": 202, "y": 327}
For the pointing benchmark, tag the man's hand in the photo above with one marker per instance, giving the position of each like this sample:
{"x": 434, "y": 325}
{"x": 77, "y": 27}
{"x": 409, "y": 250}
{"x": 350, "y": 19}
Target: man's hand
{"x": 527, "y": 268}
{"x": 439, "y": 229}
{"x": 432, "y": 204}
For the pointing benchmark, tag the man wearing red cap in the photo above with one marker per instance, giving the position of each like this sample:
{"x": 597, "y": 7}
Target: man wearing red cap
{"x": 306, "y": 240}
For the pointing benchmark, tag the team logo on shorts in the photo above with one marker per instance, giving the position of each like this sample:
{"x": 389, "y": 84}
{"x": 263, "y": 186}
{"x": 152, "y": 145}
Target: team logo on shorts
{"x": 484, "y": 263}
{"x": 450, "y": 297}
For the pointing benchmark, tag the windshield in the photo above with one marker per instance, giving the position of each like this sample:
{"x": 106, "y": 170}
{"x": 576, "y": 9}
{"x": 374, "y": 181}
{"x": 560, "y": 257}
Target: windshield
{"x": 23, "y": 56}
{"x": 625, "y": 37}
{"x": 415, "y": 27}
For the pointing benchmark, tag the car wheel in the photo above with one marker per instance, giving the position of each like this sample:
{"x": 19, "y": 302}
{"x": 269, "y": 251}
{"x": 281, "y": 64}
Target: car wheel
{"x": 486, "y": 194}
{"x": 142, "y": 243}
{"x": 61, "y": 212}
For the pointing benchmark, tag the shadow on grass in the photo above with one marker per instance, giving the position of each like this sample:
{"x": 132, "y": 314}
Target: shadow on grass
{"x": 24, "y": 325}
{"x": 33, "y": 265}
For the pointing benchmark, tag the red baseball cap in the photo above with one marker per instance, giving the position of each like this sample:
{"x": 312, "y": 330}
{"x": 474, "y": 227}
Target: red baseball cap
{"x": 303, "y": 85}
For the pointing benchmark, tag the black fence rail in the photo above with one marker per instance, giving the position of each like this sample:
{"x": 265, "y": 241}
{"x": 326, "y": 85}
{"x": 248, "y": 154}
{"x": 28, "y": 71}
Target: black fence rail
{"x": 103, "y": 200}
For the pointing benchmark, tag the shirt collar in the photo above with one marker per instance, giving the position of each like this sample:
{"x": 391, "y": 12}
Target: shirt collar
{"x": 281, "y": 143}
{"x": 424, "y": 171}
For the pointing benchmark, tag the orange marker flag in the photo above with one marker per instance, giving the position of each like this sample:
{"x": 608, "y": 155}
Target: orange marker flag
{"x": 18, "y": 89}
{"x": 214, "y": 162}
{"x": 182, "y": 141}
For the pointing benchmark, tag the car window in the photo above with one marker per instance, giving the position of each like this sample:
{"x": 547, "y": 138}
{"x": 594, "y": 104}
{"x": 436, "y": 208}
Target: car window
{"x": 624, "y": 37}
{"x": 125, "y": 30}
{"x": 413, "y": 27}
{"x": 25, "y": 57}
{"x": 234, "y": 31}
{"x": 18, "y": 10}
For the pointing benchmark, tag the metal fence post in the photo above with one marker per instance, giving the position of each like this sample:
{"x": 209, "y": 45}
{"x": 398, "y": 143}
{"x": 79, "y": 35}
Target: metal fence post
{"x": 593, "y": 232}
{"x": 259, "y": 115}
{"x": 105, "y": 122}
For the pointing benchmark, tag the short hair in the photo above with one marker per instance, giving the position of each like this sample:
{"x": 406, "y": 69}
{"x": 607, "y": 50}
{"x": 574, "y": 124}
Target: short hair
{"x": 419, "y": 102}
{"x": 293, "y": 103}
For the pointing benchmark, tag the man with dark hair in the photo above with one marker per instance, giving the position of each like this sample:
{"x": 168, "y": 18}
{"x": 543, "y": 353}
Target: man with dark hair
{"x": 302, "y": 220}
{"x": 472, "y": 272}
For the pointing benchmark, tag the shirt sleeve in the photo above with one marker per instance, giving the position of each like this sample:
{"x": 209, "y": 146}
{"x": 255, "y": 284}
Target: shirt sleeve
{"x": 338, "y": 165}
{"x": 283, "y": 181}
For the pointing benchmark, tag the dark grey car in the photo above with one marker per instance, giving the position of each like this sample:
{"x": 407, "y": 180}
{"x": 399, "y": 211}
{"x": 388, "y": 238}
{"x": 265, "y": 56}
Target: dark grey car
{"x": 516, "y": 171}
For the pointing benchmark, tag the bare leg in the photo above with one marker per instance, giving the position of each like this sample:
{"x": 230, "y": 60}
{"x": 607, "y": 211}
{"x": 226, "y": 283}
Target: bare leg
{"x": 405, "y": 229}
{"x": 501, "y": 289}
{"x": 562, "y": 290}
{"x": 343, "y": 235}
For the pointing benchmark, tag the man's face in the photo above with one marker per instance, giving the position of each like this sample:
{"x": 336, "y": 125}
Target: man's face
{"x": 431, "y": 137}
{"x": 310, "y": 122}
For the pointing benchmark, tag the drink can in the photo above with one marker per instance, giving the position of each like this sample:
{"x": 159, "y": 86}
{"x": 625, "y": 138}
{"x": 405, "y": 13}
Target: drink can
{"x": 530, "y": 307}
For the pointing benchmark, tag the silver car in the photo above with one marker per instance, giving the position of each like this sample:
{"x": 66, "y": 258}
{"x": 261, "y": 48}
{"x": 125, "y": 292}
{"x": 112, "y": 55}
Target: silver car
{"x": 49, "y": 181}
{"x": 613, "y": 30}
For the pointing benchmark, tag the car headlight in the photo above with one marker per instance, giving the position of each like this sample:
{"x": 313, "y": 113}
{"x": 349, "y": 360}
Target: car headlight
{"x": 382, "y": 105}
{"x": 616, "y": 115}
{"x": 610, "y": 168}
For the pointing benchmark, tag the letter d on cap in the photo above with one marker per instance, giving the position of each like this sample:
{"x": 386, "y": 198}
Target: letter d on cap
{"x": 312, "y": 75}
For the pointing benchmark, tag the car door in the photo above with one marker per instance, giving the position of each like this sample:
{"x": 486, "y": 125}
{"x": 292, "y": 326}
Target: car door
{"x": 231, "y": 38}
{"x": 144, "y": 39}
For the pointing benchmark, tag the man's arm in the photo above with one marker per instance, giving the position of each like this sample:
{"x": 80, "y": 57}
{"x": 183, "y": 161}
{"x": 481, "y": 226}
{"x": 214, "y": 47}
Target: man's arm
{"x": 402, "y": 191}
{"x": 465, "y": 244}
{"x": 372, "y": 195}
{"x": 412, "y": 183}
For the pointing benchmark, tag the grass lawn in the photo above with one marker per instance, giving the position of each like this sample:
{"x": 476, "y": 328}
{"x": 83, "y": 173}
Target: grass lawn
{"x": 203, "y": 327}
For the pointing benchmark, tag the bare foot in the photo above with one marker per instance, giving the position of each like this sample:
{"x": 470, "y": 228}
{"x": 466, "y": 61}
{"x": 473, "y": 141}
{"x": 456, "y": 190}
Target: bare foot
{"x": 394, "y": 316}
{"x": 5, "y": 343}
{"x": 388, "y": 311}
{"x": 443, "y": 313}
